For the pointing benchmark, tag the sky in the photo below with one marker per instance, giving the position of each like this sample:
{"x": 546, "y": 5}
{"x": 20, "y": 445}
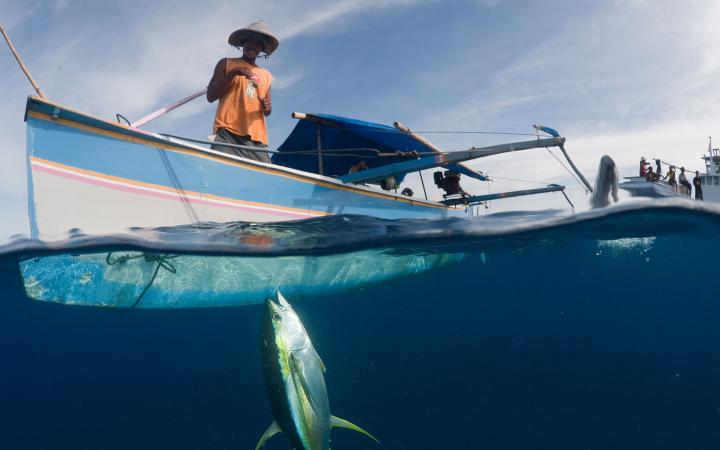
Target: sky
{"x": 625, "y": 78}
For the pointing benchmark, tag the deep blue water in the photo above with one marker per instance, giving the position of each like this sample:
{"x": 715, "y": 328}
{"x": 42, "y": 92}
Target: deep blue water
{"x": 595, "y": 331}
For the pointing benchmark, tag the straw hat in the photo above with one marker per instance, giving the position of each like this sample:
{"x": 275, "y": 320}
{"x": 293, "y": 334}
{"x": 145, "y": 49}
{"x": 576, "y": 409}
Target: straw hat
{"x": 256, "y": 29}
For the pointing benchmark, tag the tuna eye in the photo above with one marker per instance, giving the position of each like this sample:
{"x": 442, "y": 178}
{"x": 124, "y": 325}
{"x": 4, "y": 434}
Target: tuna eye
{"x": 277, "y": 317}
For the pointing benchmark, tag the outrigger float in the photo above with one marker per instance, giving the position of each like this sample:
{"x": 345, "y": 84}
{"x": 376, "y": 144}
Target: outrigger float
{"x": 104, "y": 177}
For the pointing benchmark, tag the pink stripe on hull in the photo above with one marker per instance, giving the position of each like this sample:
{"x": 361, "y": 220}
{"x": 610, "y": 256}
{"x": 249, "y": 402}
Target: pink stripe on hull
{"x": 117, "y": 186}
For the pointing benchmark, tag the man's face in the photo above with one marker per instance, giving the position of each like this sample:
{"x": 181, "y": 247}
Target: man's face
{"x": 252, "y": 47}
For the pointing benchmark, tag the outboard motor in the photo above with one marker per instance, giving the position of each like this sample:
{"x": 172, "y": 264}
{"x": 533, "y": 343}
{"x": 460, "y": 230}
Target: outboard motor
{"x": 448, "y": 182}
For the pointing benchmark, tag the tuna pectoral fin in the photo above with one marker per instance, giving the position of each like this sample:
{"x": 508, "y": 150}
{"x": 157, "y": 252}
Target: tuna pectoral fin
{"x": 342, "y": 423}
{"x": 271, "y": 431}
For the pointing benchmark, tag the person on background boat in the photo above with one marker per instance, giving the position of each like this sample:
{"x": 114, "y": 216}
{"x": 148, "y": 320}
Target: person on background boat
{"x": 682, "y": 179}
{"x": 650, "y": 175}
{"x": 243, "y": 89}
{"x": 359, "y": 167}
{"x": 643, "y": 166}
{"x": 698, "y": 186}
{"x": 658, "y": 167}
{"x": 670, "y": 177}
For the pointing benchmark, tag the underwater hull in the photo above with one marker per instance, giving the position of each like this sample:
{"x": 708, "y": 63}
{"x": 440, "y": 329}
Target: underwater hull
{"x": 129, "y": 280}
{"x": 102, "y": 177}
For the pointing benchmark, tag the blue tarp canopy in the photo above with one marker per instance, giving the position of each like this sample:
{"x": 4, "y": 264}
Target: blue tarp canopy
{"x": 345, "y": 142}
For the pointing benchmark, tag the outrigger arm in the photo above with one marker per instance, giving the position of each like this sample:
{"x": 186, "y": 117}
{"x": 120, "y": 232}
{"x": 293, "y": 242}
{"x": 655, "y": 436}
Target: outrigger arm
{"x": 474, "y": 199}
{"x": 442, "y": 159}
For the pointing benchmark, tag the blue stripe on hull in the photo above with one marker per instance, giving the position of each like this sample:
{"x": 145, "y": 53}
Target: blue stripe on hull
{"x": 34, "y": 231}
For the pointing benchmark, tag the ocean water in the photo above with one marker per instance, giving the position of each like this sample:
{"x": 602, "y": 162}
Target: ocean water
{"x": 598, "y": 330}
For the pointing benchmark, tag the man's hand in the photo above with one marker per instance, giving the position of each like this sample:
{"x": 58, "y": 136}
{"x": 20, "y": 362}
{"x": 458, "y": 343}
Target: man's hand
{"x": 248, "y": 74}
{"x": 266, "y": 105}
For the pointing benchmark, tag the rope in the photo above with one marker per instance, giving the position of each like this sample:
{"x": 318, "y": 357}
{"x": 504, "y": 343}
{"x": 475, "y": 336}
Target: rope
{"x": 340, "y": 152}
{"x": 120, "y": 119}
{"x": 568, "y": 170}
{"x": 161, "y": 260}
{"x": 518, "y": 179}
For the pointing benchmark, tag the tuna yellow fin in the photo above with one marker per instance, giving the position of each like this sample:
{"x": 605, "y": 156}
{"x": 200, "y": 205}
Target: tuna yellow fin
{"x": 271, "y": 431}
{"x": 342, "y": 423}
{"x": 322, "y": 364}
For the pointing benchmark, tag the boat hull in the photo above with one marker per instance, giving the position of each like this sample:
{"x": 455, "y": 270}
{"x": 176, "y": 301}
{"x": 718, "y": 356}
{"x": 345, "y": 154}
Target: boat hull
{"x": 101, "y": 177}
{"x": 639, "y": 187}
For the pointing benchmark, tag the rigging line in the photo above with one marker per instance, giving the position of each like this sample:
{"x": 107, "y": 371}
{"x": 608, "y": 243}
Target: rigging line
{"x": 423, "y": 184}
{"x": 310, "y": 152}
{"x": 476, "y": 132}
{"x": 394, "y": 131}
{"x": 178, "y": 187}
{"x": 568, "y": 170}
{"x": 516, "y": 179}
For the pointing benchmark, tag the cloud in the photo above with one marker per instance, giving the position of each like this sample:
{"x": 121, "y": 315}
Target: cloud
{"x": 326, "y": 12}
{"x": 287, "y": 81}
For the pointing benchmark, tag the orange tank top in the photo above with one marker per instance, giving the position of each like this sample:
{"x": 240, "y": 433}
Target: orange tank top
{"x": 240, "y": 110}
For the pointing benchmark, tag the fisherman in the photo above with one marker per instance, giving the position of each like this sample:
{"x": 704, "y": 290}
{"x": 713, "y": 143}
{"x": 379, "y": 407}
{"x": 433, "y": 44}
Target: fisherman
{"x": 658, "y": 167}
{"x": 643, "y": 166}
{"x": 243, "y": 89}
{"x": 670, "y": 177}
{"x": 650, "y": 175}
{"x": 698, "y": 186}
{"x": 684, "y": 182}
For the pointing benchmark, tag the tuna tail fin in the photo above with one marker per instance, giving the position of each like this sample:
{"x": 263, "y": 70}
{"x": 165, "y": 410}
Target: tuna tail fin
{"x": 271, "y": 431}
{"x": 342, "y": 423}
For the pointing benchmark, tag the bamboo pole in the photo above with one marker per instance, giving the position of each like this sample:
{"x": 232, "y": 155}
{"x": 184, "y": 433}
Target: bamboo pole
{"x": 20, "y": 61}
{"x": 155, "y": 114}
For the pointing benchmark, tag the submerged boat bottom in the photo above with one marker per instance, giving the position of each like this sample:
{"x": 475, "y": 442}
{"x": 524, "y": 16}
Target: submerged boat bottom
{"x": 151, "y": 280}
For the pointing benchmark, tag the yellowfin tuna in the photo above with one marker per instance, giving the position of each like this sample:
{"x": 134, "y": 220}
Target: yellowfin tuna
{"x": 295, "y": 382}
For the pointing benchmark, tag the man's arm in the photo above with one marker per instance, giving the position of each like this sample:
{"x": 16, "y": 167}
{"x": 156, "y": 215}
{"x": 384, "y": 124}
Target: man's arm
{"x": 220, "y": 82}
